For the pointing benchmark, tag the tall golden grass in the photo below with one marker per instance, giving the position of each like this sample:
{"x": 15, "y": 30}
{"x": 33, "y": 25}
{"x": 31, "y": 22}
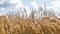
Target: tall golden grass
{"x": 30, "y": 25}
{"x": 19, "y": 25}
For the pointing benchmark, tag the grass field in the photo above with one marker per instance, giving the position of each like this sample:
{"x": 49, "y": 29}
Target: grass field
{"x": 19, "y": 25}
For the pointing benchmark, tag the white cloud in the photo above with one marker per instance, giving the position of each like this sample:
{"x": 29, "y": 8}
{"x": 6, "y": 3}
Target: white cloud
{"x": 2, "y": 1}
{"x": 34, "y": 4}
{"x": 18, "y": 3}
{"x": 14, "y": 1}
{"x": 55, "y": 5}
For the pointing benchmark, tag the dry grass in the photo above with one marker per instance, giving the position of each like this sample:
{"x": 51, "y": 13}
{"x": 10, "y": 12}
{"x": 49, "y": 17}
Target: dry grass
{"x": 19, "y": 25}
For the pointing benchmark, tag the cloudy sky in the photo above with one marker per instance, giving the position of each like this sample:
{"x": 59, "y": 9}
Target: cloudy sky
{"x": 5, "y": 4}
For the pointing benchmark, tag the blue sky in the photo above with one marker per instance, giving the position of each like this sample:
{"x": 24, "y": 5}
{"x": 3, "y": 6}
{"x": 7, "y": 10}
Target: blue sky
{"x": 8, "y": 4}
